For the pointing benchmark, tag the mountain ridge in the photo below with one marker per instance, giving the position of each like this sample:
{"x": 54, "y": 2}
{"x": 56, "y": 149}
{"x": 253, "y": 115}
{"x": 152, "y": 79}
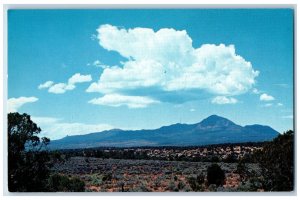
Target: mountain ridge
{"x": 211, "y": 130}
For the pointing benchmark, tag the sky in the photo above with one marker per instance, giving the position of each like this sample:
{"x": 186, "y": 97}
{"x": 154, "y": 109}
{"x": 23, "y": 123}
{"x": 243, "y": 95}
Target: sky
{"x": 82, "y": 71}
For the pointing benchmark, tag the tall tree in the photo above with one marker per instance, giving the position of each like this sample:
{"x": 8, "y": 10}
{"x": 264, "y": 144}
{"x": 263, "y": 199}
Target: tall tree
{"x": 277, "y": 163}
{"x": 28, "y": 161}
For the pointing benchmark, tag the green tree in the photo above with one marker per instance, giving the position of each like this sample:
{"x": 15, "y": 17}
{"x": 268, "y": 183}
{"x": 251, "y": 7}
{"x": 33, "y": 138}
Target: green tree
{"x": 28, "y": 160}
{"x": 215, "y": 175}
{"x": 277, "y": 163}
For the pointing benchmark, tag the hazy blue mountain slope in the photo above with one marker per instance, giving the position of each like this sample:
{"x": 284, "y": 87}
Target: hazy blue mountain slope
{"x": 212, "y": 130}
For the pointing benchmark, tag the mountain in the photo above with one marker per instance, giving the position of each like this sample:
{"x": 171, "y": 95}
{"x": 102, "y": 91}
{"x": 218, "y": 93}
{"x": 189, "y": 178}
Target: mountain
{"x": 212, "y": 130}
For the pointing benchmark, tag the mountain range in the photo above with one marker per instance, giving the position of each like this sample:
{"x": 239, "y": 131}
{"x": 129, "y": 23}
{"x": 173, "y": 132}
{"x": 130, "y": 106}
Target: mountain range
{"x": 212, "y": 130}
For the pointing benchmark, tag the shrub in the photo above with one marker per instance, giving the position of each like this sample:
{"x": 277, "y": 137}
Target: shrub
{"x": 61, "y": 183}
{"x": 96, "y": 180}
{"x": 180, "y": 185}
{"x": 200, "y": 179}
{"x": 195, "y": 185}
{"x": 215, "y": 175}
{"x": 107, "y": 177}
{"x": 172, "y": 186}
{"x": 175, "y": 178}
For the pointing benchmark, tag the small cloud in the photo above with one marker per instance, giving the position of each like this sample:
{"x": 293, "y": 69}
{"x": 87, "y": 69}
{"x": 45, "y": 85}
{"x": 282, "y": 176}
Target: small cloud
{"x": 266, "y": 97}
{"x": 268, "y": 105}
{"x": 283, "y": 85}
{"x": 178, "y": 106}
{"x": 192, "y": 110}
{"x": 256, "y": 91}
{"x": 47, "y": 84}
{"x": 61, "y": 88}
{"x": 15, "y": 103}
{"x": 288, "y": 117}
{"x": 117, "y": 100}
{"x": 279, "y": 104}
{"x": 224, "y": 100}
{"x": 93, "y": 37}
{"x": 98, "y": 63}
{"x": 78, "y": 78}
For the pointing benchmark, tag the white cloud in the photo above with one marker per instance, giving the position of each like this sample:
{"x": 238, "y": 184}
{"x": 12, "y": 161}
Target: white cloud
{"x": 279, "y": 104}
{"x": 15, "y": 103}
{"x": 288, "y": 117}
{"x": 283, "y": 85}
{"x": 55, "y": 128}
{"x": 45, "y": 120}
{"x": 192, "y": 110}
{"x": 47, "y": 84}
{"x": 78, "y": 78}
{"x": 116, "y": 100}
{"x": 268, "y": 105}
{"x": 60, "y": 88}
{"x": 266, "y": 97}
{"x": 93, "y": 37}
{"x": 256, "y": 91}
{"x": 98, "y": 63}
{"x": 167, "y": 61}
{"x": 134, "y": 74}
{"x": 224, "y": 100}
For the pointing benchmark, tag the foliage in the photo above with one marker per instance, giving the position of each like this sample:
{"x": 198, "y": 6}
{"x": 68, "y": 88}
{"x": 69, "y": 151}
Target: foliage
{"x": 180, "y": 185}
{"x": 277, "y": 163}
{"x": 107, "y": 177}
{"x": 196, "y": 183}
{"x": 28, "y": 161}
{"x": 166, "y": 153}
{"x": 96, "y": 180}
{"x": 242, "y": 170}
{"x": 215, "y": 175}
{"x": 172, "y": 186}
{"x": 62, "y": 183}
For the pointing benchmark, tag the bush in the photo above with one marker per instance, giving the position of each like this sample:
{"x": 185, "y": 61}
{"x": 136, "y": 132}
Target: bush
{"x": 61, "y": 183}
{"x": 215, "y": 175}
{"x": 107, "y": 177}
{"x": 172, "y": 186}
{"x": 96, "y": 180}
{"x": 242, "y": 170}
{"x": 200, "y": 179}
{"x": 195, "y": 184}
{"x": 180, "y": 185}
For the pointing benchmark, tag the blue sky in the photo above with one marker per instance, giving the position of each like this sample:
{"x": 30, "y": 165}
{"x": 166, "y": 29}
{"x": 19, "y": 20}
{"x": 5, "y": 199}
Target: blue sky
{"x": 81, "y": 71}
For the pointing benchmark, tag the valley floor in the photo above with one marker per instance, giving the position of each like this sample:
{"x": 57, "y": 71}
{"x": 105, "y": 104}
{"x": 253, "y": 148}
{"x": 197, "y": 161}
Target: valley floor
{"x": 120, "y": 175}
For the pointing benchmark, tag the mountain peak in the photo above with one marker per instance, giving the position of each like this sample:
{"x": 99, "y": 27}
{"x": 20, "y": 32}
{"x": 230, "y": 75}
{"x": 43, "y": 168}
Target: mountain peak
{"x": 215, "y": 120}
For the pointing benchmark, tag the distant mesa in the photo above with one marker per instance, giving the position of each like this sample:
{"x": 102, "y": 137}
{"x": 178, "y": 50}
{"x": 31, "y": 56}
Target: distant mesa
{"x": 212, "y": 130}
{"x": 215, "y": 121}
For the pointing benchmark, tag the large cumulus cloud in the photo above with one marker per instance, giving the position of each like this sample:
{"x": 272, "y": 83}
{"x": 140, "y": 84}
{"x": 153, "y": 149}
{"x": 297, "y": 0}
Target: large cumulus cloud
{"x": 166, "y": 60}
